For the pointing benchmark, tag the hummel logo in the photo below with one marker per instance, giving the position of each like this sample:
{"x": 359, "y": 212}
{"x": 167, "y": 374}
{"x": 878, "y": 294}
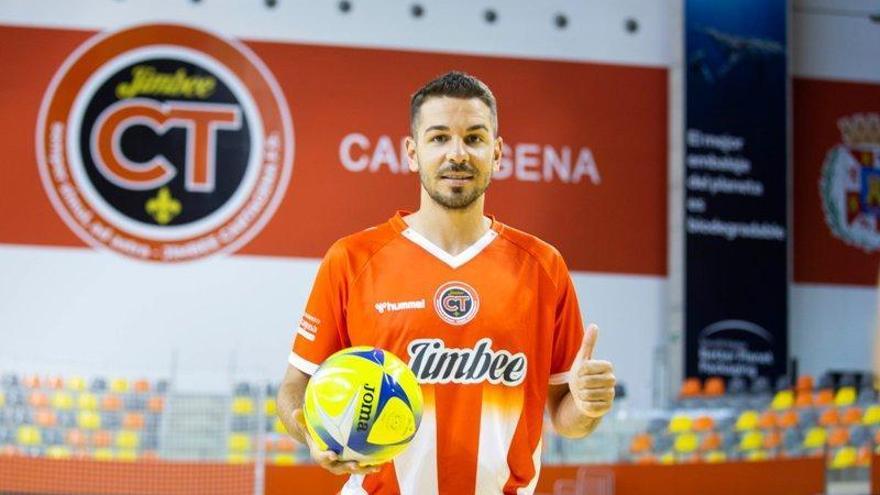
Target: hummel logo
{"x": 382, "y": 307}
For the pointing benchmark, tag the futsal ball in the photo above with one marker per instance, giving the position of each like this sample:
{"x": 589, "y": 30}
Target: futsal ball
{"x": 364, "y": 404}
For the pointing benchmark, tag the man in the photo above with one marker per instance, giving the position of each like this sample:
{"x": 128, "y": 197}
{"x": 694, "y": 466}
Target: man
{"x": 477, "y": 290}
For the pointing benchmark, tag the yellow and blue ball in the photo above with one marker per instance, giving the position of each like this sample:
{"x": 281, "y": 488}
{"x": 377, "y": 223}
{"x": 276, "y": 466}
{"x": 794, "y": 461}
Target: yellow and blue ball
{"x": 364, "y": 404}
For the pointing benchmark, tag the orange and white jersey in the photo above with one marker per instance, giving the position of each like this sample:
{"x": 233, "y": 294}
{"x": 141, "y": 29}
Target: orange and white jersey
{"x": 485, "y": 332}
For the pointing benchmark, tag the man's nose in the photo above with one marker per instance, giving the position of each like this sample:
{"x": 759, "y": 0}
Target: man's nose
{"x": 457, "y": 152}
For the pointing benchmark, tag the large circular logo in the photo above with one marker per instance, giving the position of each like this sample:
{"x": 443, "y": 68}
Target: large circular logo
{"x": 164, "y": 143}
{"x": 456, "y": 303}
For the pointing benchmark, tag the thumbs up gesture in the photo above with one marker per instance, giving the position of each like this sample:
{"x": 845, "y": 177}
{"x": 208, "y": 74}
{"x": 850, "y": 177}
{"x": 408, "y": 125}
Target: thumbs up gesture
{"x": 592, "y": 381}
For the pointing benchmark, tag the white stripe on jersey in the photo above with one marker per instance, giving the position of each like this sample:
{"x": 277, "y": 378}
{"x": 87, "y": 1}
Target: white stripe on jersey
{"x": 416, "y": 467}
{"x": 497, "y": 426}
{"x": 354, "y": 486}
{"x": 301, "y": 364}
{"x": 536, "y": 461}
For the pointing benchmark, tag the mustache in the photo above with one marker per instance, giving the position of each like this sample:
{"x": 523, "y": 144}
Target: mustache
{"x": 457, "y": 168}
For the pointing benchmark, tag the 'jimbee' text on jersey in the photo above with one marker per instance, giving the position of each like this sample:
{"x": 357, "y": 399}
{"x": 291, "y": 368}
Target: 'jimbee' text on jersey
{"x": 433, "y": 362}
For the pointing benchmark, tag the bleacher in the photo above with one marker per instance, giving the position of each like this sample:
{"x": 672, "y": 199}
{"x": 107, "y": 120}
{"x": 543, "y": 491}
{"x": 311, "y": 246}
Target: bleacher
{"x": 837, "y": 418}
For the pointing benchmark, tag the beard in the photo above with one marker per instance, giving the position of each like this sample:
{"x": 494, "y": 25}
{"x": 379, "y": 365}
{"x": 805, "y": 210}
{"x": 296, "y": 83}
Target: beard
{"x": 458, "y": 197}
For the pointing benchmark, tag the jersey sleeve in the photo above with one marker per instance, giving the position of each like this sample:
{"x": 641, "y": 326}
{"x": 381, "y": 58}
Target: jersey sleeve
{"x": 322, "y": 329}
{"x": 568, "y": 331}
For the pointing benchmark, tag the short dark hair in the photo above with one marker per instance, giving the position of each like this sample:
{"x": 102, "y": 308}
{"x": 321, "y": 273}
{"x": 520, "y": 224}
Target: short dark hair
{"x": 453, "y": 84}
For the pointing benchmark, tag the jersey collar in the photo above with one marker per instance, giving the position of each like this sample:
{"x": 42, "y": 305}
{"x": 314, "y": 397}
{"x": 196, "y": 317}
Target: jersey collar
{"x": 454, "y": 261}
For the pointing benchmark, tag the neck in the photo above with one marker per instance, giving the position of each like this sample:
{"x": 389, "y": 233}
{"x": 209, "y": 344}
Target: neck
{"x": 451, "y": 230}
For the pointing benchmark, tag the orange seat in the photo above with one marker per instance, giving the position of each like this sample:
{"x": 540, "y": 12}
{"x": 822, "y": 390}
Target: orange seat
{"x": 772, "y": 440}
{"x": 768, "y": 420}
{"x": 710, "y": 442}
{"x": 852, "y": 416}
{"x": 56, "y": 383}
{"x": 76, "y": 438}
{"x": 102, "y": 438}
{"x": 32, "y": 381}
{"x": 149, "y": 455}
{"x": 641, "y": 443}
{"x": 156, "y": 404}
{"x": 141, "y": 386}
{"x": 38, "y": 399}
{"x": 877, "y": 437}
{"x": 714, "y": 387}
{"x": 133, "y": 421}
{"x": 690, "y": 388}
{"x": 824, "y": 397}
{"x": 863, "y": 457}
{"x": 111, "y": 402}
{"x": 838, "y": 436}
{"x": 285, "y": 444}
{"x": 646, "y": 459}
{"x": 829, "y": 417}
{"x": 703, "y": 424}
{"x": 46, "y": 418}
{"x": 803, "y": 399}
{"x": 789, "y": 419}
{"x": 804, "y": 383}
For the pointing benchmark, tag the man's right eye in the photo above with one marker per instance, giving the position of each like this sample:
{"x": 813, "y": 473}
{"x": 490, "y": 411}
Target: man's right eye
{"x": 440, "y": 138}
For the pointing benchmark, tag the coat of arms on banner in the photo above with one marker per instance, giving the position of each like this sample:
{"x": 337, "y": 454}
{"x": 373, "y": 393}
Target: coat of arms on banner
{"x": 850, "y": 182}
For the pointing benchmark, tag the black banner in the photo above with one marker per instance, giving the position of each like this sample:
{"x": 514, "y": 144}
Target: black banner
{"x": 735, "y": 183}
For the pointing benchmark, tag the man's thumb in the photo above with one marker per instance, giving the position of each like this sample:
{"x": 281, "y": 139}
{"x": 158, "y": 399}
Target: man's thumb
{"x": 591, "y": 334}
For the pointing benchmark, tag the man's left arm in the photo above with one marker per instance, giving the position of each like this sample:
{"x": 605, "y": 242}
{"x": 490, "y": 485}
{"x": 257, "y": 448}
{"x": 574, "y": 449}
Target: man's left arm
{"x": 577, "y": 407}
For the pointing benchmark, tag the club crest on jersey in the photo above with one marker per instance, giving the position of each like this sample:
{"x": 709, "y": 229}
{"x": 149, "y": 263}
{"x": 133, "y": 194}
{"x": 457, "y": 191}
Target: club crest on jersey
{"x": 456, "y": 303}
{"x": 166, "y": 151}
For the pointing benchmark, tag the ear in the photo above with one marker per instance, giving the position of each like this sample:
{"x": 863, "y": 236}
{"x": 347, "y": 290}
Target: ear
{"x": 412, "y": 160}
{"x": 497, "y": 153}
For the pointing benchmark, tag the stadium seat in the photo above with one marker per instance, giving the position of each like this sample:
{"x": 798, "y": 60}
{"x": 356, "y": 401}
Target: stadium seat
{"x": 46, "y": 418}
{"x": 243, "y": 423}
{"x": 859, "y": 435}
{"x": 15, "y": 398}
{"x": 715, "y": 456}
{"x": 237, "y": 458}
{"x": 150, "y": 440}
{"x": 667, "y": 458}
{"x": 28, "y": 435}
{"x": 815, "y": 438}
{"x": 111, "y": 420}
{"x": 757, "y": 455}
{"x": 768, "y": 420}
{"x": 156, "y": 404}
{"x": 103, "y": 454}
{"x": 714, "y": 387}
{"x": 788, "y": 419}
{"x": 88, "y": 420}
{"x": 270, "y": 407}
{"x": 278, "y": 426}
{"x": 829, "y": 417}
{"x": 239, "y": 442}
{"x": 2, "y": 399}
{"x": 844, "y": 397}
{"x": 863, "y": 456}
{"x": 161, "y": 386}
{"x": 242, "y": 406}
{"x": 62, "y": 401}
{"x": 58, "y": 452}
{"x": 838, "y": 436}
{"x": 32, "y": 382}
{"x": 126, "y": 455}
{"x": 685, "y": 443}
{"x": 119, "y": 385}
{"x": 128, "y": 440}
{"x": 784, "y": 399}
{"x": 680, "y": 423}
{"x": 76, "y": 438}
{"x": 804, "y": 384}
{"x": 102, "y": 438}
{"x": 98, "y": 385}
{"x": 657, "y": 425}
{"x": 243, "y": 388}
{"x": 703, "y": 424}
{"x": 76, "y": 384}
{"x": 809, "y": 417}
{"x": 824, "y": 398}
{"x": 111, "y": 402}
{"x": 141, "y": 386}
{"x": 751, "y": 440}
{"x": 87, "y": 401}
{"x": 747, "y": 420}
{"x": 803, "y": 399}
{"x": 67, "y": 419}
{"x": 851, "y": 416}
{"x": 872, "y": 415}
{"x": 843, "y": 458}
{"x": 711, "y": 441}
{"x": 133, "y": 421}
{"x": 284, "y": 459}
{"x": 287, "y": 444}
{"x": 55, "y": 383}
{"x": 736, "y": 386}
{"x": 772, "y": 440}
{"x": 134, "y": 402}
{"x": 38, "y": 399}
{"x": 9, "y": 380}
{"x": 690, "y": 390}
